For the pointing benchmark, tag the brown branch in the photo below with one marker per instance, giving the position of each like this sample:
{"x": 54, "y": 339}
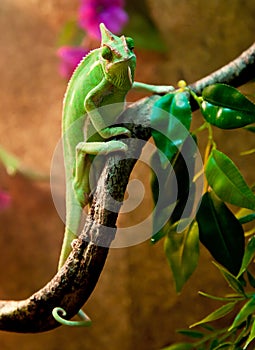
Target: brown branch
{"x": 73, "y": 284}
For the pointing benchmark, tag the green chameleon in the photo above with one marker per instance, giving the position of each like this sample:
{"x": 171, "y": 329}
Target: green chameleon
{"x": 103, "y": 78}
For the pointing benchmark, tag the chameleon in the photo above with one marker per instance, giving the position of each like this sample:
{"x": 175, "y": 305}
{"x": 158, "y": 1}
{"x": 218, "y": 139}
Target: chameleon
{"x": 103, "y": 77}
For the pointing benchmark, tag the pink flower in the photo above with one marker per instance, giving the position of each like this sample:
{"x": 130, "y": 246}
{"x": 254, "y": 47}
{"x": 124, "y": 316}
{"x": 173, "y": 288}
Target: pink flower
{"x": 109, "y": 12}
{"x": 5, "y": 200}
{"x": 70, "y": 57}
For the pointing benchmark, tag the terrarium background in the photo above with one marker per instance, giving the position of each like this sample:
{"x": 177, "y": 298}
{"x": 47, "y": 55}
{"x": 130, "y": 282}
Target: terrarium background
{"x": 134, "y": 305}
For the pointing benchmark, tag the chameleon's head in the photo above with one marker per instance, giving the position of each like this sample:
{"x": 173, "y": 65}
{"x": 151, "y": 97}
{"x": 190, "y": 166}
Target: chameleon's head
{"x": 117, "y": 58}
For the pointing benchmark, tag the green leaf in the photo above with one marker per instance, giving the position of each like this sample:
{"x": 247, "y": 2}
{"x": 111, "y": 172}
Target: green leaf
{"x": 247, "y": 218}
{"x": 180, "y": 346}
{"x": 182, "y": 252}
{"x": 170, "y": 120}
{"x": 164, "y": 205}
{"x": 251, "y": 279}
{"x": 217, "y": 314}
{"x": 251, "y": 335}
{"x": 248, "y": 255}
{"x": 173, "y": 206}
{"x": 214, "y": 344}
{"x": 184, "y": 169}
{"x": 11, "y": 163}
{"x": 250, "y": 128}
{"x": 14, "y": 166}
{"x": 227, "y": 346}
{"x": 220, "y": 232}
{"x": 233, "y": 282}
{"x": 213, "y": 297}
{"x": 190, "y": 333}
{"x": 226, "y": 107}
{"x": 159, "y": 123}
{"x": 243, "y": 211}
{"x": 243, "y": 314}
{"x": 225, "y": 118}
{"x": 228, "y": 97}
{"x": 227, "y": 182}
{"x": 181, "y": 109}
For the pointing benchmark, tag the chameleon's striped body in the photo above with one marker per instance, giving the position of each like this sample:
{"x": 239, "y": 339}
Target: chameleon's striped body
{"x": 103, "y": 77}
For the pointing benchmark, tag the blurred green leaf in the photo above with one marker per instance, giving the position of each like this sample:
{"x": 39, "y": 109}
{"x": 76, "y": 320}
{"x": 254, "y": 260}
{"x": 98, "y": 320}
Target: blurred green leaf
{"x": 71, "y": 34}
{"x": 217, "y": 314}
{"x": 182, "y": 252}
{"x": 144, "y": 33}
{"x": 227, "y": 182}
{"x": 243, "y": 314}
{"x": 250, "y": 128}
{"x": 247, "y": 218}
{"x": 251, "y": 279}
{"x": 14, "y": 166}
{"x": 248, "y": 255}
{"x": 11, "y": 163}
{"x": 233, "y": 282}
{"x": 227, "y": 346}
{"x": 251, "y": 335}
{"x": 190, "y": 333}
{"x": 213, "y": 297}
{"x": 214, "y": 344}
{"x": 243, "y": 211}
{"x": 180, "y": 346}
{"x": 220, "y": 232}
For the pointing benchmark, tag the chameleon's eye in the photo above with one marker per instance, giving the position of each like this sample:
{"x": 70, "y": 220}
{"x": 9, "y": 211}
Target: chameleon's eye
{"x": 130, "y": 43}
{"x": 106, "y": 53}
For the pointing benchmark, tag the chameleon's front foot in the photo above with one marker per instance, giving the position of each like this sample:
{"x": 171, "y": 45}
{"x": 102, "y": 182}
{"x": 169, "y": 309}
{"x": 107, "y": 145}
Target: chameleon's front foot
{"x": 81, "y": 181}
{"x": 155, "y": 89}
{"x": 116, "y": 131}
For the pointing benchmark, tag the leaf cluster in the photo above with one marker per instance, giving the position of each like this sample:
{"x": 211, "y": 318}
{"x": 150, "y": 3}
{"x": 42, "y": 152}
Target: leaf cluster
{"x": 221, "y": 230}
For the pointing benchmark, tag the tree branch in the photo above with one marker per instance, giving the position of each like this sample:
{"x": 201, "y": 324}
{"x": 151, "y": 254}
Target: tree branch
{"x": 73, "y": 284}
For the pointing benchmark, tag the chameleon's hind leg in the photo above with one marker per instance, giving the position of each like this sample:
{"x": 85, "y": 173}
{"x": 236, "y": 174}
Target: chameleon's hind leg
{"x": 81, "y": 181}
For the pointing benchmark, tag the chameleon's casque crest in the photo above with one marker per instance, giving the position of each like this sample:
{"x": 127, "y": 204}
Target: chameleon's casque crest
{"x": 117, "y": 58}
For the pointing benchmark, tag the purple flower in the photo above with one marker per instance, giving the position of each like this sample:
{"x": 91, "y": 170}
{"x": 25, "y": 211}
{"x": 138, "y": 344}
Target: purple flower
{"x": 109, "y": 12}
{"x": 70, "y": 57}
{"x": 5, "y": 200}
